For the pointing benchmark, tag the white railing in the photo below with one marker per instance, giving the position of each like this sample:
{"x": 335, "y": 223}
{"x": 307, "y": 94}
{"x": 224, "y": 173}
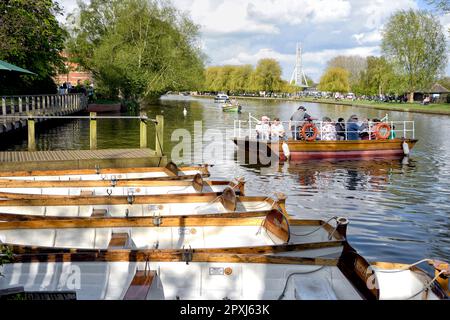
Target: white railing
{"x": 397, "y": 129}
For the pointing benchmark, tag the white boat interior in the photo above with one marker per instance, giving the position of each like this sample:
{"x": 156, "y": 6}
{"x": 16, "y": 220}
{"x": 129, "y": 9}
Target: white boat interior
{"x": 114, "y": 191}
{"x": 167, "y": 238}
{"x": 201, "y": 281}
{"x": 136, "y": 210}
{"x": 106, "y": 176}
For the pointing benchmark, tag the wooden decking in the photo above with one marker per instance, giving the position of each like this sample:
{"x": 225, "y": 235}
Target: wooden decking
{"x": 79, "y": 159}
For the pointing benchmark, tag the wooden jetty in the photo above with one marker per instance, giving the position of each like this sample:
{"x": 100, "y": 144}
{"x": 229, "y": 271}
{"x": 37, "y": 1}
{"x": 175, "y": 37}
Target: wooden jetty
{"x": 14, "y": 108}
{"x": 85, "y": 159}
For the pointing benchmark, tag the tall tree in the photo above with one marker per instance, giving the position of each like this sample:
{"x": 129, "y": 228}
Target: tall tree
{"x": 353, "y": 64}
{"x": 415, "y": 43}
{"x": 268, "y": 75}
{"x": 137, "y": 48}
{"x": 335, "y": 80}
{"x": 378, "y": 78}
{"x": 31, "y": 37}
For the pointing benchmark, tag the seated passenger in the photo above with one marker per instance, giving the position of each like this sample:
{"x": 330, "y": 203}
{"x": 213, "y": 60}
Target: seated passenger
{"x": 328, "y": 132}
{"x": 353, "y": 128}
{"x": 277, "y": 131}
{"x": 263, "y": 129}
{"x": 364, "y": 130}
{"x": 340, "y": 129}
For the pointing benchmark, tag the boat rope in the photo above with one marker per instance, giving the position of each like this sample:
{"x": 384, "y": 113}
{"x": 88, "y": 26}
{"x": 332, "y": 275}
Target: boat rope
{"x": 295, "y": 274}
{"x": 427, "y": 286}
{"x": 177, "y": 190}
{"x": 405, "y": 267}
{"x": 317, "y": 229}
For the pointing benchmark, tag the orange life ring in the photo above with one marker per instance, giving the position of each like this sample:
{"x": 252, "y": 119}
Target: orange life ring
{"x": 381, "y": 126}
{"x": 310, "y": 126}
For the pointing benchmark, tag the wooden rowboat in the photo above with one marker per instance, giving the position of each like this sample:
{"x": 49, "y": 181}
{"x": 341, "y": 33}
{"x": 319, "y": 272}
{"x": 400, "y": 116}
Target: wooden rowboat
{"x": 212, "y": 231}
{"x": 307, "y": 150}
{"x": 138, "y": 206}
{"x": 249, "y": 274}
{"x": 170, "y": 172}
{"x": 19, "y": 189}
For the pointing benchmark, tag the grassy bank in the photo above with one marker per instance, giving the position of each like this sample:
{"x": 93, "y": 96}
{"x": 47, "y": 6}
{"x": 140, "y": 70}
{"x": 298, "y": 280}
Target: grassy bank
{"x": 435, "y": 108}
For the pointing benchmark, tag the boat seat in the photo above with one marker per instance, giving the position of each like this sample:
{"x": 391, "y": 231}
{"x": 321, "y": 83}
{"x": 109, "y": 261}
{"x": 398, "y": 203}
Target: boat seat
{"x": 118, "y": 240}
{"x": 140, "y": 285}
{"x": 309, "y": 287}
{"x": 86, "y": 193}
{"x": 99, "y": 213}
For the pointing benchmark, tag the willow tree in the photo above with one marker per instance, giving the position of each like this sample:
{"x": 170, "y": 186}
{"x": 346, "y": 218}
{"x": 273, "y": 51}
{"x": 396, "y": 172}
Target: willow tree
{"x": 335, "y": 80}
{"x": 138, "y": 48}
{"x": 415, "y": 43}
{"x": 267, "y": 75}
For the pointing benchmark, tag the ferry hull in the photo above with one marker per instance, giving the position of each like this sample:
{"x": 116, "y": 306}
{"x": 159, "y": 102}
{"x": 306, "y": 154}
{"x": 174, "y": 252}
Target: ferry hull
{"x": 340, "y": 150}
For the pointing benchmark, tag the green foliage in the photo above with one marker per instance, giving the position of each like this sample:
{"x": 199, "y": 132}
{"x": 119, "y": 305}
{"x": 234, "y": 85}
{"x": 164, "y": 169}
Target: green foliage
{"x": 6, "y": 255}
{"x": 335, "y": 80}
{"x": 353, "y": 64}
{"x": 268, "y": 75}
{"x": 378, "y": 78}
{"x": 137, "y": 49}
{"x": 415, "y": 44}
{"x": 31, "y": 38}
{"x": 241, "y": 79}
{"x": 445, "y": 81}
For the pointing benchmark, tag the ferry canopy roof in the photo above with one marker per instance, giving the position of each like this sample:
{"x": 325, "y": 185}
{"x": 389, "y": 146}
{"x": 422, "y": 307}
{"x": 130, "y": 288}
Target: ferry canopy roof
{"x": 5, "y": 66}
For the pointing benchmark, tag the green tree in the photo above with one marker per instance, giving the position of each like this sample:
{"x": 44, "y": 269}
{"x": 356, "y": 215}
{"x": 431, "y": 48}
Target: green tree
{"x": 353, "y": 64}
{"x": 415, "y": 43}
{"x": 378, "y": 78}
{"x": 137, "y": 48}
{"x": 31, "y": 38}
{"x": 335, "y": 80}
{"x": 268, "y": 75}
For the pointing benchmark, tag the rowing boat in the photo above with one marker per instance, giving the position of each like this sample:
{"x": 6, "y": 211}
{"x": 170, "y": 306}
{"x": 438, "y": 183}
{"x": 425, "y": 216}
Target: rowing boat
{"x": 170, "y": 172}
{"x": 19, "y": 189}
{"x": 217, "y": 274}
{"x": 138, "y": 206}
{"x": 317, "y": 237}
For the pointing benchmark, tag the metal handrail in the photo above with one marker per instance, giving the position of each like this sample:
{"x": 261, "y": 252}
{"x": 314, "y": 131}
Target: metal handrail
{"x": 406, "y": 127}
{"x": 31, "y": 116}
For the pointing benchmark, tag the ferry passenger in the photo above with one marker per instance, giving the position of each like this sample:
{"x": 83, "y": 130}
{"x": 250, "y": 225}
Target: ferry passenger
{"x": 353, "y": 128}
{"x": 297, "y": 120}
{"x": 328, "y": 132}
{"x": 277, "y": 131}
{"x": 263, "y": 129}
{"x": 340, "y": 129}
{"x": 364, "y": 130}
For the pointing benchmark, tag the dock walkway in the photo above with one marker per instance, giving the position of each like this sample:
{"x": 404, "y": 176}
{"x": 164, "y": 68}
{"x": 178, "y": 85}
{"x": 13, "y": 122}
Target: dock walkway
{"x": 79, "y": 159}
{"x": 14, "y": 109}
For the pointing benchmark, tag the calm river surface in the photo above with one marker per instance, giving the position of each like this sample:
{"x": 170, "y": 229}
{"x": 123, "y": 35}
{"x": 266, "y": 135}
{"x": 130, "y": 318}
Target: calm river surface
{"x": 398, "y": 212}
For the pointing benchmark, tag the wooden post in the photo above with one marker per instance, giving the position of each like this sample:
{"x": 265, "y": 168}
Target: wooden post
{"x": 143, "y": 130}
{"x": 93, "y": 131}
{"x": 20, "y": 104}
{"x": 4, "y": 106}
{"x": 31, "y": 135}
{"x": 159, "y": 135}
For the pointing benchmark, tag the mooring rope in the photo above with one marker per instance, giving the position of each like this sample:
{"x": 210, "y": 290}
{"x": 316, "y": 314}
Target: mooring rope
{"x": 315, "y": 230}
{"x": 294, "y": 274}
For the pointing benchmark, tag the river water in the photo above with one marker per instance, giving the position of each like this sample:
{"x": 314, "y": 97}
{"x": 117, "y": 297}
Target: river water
{"x": 398, "y": 211}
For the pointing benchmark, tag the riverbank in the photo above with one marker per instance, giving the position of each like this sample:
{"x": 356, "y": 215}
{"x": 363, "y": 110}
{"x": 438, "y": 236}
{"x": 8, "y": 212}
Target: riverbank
{"x": 438, "y": 108}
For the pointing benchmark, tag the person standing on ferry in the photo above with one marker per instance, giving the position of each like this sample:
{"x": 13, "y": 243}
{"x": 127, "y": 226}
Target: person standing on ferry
{"x": 297, "y": 121}
{"x": 353, "y": 128}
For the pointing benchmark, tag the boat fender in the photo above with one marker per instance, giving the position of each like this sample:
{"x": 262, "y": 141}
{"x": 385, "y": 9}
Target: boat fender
{"x": 405, "y": 148}
{"x": 286, "y": 151}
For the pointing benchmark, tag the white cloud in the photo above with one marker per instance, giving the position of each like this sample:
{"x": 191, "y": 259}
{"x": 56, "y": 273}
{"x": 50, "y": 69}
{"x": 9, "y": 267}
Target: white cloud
{"x": 249, "y": 58}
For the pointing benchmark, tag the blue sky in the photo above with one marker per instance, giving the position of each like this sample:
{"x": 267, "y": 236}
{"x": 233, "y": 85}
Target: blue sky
{"x": 244, "y": 31}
